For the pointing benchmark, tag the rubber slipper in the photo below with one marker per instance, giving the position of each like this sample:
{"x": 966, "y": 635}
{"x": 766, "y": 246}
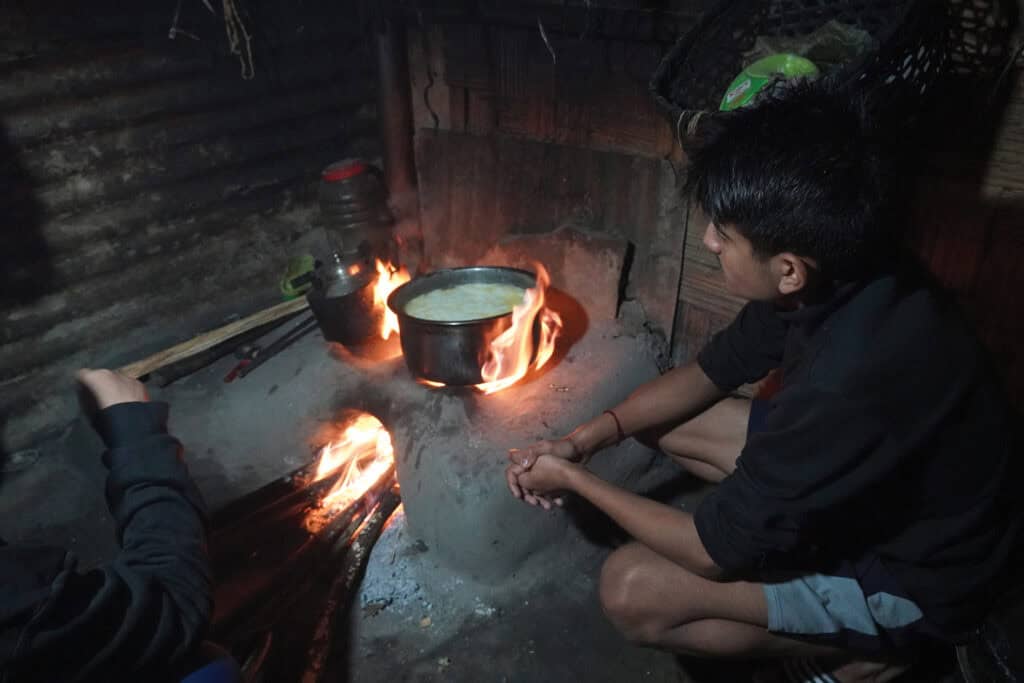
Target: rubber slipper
{"x": 805, "y": 670}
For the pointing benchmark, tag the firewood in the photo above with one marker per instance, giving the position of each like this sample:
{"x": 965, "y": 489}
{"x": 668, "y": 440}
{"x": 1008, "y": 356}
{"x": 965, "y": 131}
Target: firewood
{"x": 266, "y": 562}
{"x": 275, "y": 640}
{"x": 342, "y": 591}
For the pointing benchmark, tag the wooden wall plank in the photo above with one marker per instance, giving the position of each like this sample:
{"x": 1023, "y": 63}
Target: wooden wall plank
{"x": 430, "y": 96}
{"x": 476, "y": 190}
{"x": 1004, "y": 171}
{"x": 590, "y": 94}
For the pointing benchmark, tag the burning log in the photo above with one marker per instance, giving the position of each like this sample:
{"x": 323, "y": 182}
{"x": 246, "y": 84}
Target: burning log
{"x": 321, "y": 653}
{"x": 285, "y": 551}
{"x": 265, "y": 564}
{"x": 297, "y": 628}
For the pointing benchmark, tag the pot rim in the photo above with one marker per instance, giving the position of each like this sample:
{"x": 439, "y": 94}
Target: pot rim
{"x": 402, "y": 315}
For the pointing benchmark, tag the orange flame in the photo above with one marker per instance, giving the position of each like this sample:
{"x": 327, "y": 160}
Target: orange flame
{"x": 365, "y": 452}
{"x": 389, "y": 279}
{"x": 510, "y": 352}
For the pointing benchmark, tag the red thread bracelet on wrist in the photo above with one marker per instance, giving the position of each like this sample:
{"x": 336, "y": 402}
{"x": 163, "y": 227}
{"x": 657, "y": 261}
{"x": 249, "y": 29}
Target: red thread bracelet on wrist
{"x": 620, "y": 435}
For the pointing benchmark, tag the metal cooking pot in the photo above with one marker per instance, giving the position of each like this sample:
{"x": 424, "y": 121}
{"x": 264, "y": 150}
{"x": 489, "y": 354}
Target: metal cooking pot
{"x": 452, "y": 352}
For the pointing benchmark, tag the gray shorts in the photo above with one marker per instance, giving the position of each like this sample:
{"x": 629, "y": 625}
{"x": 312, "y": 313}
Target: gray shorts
{"x": 858, "y": 607}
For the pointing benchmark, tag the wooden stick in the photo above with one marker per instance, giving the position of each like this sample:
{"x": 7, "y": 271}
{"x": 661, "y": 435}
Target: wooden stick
{"x": 210, "y": 339}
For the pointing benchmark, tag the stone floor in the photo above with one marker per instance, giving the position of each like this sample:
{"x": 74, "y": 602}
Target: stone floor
{"x": 417, "y": 616}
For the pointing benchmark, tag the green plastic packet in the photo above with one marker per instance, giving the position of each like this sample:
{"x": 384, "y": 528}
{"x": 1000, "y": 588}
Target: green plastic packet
{"x": 762, "y": 73}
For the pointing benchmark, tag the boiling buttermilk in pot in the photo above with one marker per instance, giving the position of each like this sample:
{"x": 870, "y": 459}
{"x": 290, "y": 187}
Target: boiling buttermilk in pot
{"x": 469, "y": 301}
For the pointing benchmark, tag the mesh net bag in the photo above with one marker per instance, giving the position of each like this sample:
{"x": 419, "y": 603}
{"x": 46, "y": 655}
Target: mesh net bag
{"x": 916, "y": 42}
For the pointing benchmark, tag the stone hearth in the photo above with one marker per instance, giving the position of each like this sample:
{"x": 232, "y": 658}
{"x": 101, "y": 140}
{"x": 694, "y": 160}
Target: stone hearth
{"x": 451, "y": 447}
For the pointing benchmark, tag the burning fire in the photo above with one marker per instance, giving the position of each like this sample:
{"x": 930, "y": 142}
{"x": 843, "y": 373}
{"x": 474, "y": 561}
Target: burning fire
{"x": 510, "y": 352}
{"x": 364, "y": 451}
{"x": 389, "y": 279}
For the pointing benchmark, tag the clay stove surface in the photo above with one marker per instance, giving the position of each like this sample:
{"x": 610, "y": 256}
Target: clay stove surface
{"x": 422, "y": 612}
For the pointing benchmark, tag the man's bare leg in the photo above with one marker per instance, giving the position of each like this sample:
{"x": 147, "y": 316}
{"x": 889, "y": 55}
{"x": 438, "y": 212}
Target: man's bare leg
{"x": 654, "y": 601}
{"x": 708, "y": 444}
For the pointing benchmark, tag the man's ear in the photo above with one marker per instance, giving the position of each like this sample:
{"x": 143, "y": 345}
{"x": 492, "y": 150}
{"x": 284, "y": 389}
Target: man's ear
{"x": 792, "y": 272}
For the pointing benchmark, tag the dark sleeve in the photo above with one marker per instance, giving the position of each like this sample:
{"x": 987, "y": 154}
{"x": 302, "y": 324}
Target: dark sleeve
{"x": 139, "y": 617}
{"x": 746, "y": 350}
{"x": 812, "y": 459}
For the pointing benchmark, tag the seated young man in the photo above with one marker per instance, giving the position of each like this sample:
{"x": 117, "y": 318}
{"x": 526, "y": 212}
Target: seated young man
{"x": 141, "y": 617}
{"x": 869, "y": 505}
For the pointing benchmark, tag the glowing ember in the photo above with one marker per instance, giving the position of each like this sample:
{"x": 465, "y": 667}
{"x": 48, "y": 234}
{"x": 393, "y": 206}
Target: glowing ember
{"x": 364, "y": 451}
{"x": 431, "y": 383}
{"x": 510, "y": 352}
{"x": 389, "y": 278}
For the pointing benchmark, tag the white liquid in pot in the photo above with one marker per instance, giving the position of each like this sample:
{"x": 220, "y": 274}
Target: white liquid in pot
{"x": 466, "y": 302}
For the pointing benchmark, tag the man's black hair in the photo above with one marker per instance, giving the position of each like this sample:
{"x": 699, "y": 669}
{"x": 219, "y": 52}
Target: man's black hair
{"x": 804, "y": 171}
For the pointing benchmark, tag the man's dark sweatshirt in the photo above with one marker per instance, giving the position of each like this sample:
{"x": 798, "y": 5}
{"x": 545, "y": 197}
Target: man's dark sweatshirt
{"x": 138, "y": 618}
{"x": 889, "y": 440}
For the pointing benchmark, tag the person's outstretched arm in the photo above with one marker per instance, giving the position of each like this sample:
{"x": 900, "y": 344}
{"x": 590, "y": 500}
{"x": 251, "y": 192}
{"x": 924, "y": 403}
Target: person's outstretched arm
{"x": 666, "y": 530}
{"x": 141, "y": 616}
{"x": 670, "y": 398}
{"x": 743, "y": 352}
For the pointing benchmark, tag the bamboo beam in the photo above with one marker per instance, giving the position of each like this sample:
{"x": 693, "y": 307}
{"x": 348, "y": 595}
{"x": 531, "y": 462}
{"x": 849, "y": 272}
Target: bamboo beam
{"x": 208, "y": 340}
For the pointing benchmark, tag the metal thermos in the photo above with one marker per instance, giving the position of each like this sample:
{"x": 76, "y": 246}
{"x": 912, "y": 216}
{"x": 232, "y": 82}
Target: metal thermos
{"x": 359, "y": 228}
{"x": 354, "y": 211}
